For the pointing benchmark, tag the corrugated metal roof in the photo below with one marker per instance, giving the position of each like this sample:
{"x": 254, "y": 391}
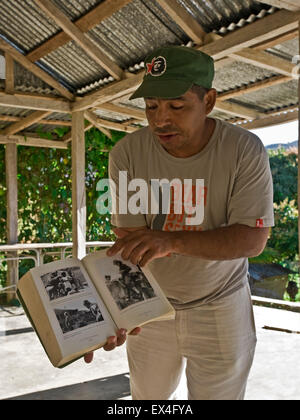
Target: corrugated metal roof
{"x": 238, "y": 74}
{"x": 271, "y": 98}
{"x": 225, "y": 15}
{"x": 128, "y": 36}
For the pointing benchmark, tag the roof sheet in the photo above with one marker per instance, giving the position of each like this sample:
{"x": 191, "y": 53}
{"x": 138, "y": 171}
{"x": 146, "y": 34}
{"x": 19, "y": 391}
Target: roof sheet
{"x": 127, "y": 36}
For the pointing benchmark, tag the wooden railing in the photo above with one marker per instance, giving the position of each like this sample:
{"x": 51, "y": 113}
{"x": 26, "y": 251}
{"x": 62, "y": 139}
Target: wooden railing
{"x": 18, "y": 252}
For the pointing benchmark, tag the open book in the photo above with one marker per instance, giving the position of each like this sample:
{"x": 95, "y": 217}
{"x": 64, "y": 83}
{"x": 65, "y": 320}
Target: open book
{"x": 75, "y": 305}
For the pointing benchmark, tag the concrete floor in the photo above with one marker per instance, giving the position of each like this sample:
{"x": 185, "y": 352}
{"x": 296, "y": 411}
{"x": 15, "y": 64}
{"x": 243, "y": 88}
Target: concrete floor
{"x": 27, "y": 374}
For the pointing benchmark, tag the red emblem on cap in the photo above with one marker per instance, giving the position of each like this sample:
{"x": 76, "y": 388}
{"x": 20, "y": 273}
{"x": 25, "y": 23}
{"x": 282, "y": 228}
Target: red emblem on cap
{"x": 150, "y": 66}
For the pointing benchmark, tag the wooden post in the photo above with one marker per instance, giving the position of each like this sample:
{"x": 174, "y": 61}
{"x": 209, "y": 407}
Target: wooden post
{"x": 12, "y": 214}
{"x": 78, "y": 185}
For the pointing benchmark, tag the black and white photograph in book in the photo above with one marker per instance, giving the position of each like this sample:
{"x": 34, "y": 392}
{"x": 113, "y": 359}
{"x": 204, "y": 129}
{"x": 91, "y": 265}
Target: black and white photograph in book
{"x": 129, "y": 285}
{"x": 64, "y": 282}
{"x": 77, "y": 314}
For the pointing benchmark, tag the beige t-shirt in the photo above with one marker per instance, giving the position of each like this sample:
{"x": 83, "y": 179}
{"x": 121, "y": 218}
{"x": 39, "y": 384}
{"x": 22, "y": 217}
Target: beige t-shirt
{"x": 234, "y": 186}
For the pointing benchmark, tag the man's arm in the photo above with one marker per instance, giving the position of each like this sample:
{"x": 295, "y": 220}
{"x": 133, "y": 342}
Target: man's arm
{"x": 224, "y": 243}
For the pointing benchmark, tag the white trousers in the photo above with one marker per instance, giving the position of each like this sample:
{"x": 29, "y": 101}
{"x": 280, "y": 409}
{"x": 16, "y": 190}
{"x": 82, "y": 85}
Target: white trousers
{"x": 214, "y": 344}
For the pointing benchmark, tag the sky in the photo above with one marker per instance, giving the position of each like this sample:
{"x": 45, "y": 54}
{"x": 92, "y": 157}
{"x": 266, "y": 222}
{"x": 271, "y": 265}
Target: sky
{"x": 283, "y": 133}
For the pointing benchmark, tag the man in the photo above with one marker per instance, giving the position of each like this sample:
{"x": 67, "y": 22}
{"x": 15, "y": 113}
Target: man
{"x": 219, "y": 211}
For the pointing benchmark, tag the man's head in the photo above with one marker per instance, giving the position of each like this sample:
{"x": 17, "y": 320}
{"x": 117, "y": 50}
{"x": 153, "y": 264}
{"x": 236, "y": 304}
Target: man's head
{"x": 172, "y": 71}
{"x": 178, "y": 95}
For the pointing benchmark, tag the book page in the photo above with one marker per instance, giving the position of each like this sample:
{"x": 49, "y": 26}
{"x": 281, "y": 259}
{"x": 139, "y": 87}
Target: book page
{"x": 131, "y": 297}
{"x": 77, "y": 313}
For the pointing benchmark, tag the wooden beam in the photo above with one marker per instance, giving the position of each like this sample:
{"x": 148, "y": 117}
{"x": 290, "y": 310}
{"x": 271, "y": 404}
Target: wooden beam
{"x": 25, "y": 122}
{"x": 68, "y": 137}
{"x": 12, "y": 214}
{"x": 271, "y": 120}
{"x": 81, "y": 39}
{"x": 78, "y": 186}
{"x": 264, "y": 60}
{"x": 259, "y": 31}
{"x": 103, "y": 11}
{"x": 35, "y": 103}
{"x": 123, "y": 110}
{"x": 9, "y": 74}
{"x": 184, "y": 20}
{"x": 33, "y": 68}
{"x": 99, "y": 122}
{"x": 292, "y": 5}
{"x": 32, "y": 141}
{"x": 63, "y": 123}
{"x": 109, "y": 93}
{"x": 94, "y": 123}
{"x": 253, "y": 87}
{"x": 236, "y": 110}
{"x": 277, "y": 40}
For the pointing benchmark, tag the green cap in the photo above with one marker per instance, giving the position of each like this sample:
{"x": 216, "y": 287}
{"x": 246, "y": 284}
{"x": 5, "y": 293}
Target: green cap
{"x": 172, "y": 71}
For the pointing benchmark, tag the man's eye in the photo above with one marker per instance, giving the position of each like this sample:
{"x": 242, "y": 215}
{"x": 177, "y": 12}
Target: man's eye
{"x": 177, "y": 106}
{"x": 150, "y": 107}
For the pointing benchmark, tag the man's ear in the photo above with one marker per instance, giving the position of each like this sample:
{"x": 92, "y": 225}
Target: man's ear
{"x": 210, "y": 100}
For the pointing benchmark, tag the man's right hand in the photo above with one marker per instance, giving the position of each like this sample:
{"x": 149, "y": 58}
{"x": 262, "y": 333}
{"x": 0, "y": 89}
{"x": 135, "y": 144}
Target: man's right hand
{"x": 113, "y": 342}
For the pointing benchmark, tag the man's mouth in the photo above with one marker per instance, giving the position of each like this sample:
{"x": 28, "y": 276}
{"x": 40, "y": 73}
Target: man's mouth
{"x": 166, "y": 136}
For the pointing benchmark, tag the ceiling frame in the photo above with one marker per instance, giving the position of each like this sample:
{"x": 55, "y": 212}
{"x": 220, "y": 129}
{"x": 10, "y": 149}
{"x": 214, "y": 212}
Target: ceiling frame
{"x": 245, "y": 44}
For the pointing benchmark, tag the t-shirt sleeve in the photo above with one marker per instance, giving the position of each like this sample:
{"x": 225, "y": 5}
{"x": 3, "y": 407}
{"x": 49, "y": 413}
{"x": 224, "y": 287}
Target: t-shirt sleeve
{"x": 251, "y": 201}
{"x": 120, "y": 175}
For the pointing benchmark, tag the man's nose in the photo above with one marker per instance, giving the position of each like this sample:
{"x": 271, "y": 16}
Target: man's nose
{"x": 162, "y": 118}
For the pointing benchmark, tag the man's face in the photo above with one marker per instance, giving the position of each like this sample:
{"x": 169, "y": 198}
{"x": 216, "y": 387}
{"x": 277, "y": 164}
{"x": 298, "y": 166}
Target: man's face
{"x": 180, "y": 123}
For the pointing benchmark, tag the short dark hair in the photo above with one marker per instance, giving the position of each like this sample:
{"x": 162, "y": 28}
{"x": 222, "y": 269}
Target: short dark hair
{"x": 200, "y": 91}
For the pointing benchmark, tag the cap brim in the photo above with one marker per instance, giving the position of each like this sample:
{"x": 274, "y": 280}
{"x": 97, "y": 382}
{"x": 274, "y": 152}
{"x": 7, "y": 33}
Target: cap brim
{"x": 166, "y": 89}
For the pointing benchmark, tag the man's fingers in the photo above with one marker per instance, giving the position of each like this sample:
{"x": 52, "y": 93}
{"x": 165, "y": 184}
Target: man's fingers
{"x": 115, "y": 341}
{"x": 136, "y": 331}
{"x": 88, "y": 358}
{"x": 110, "y": 344}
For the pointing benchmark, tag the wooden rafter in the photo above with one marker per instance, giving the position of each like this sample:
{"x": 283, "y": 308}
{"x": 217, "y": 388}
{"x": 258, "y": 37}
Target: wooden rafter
{"x": 257, "y": 32}
{"x": 90, "y": 117}
{"x": 108, "y": 124}
{"x": 37, "y": 71}
{"x": 39, "y": 103}
{"x": 103, "y": 11}
{"x": 9, "y": 118}
{"x": 109, "y": 93}
{"x": 80, "y": 38}
{"x": 237, "y": 110}
{"x": 25, "y": 122}
{"x": 139, "y": 114}
{"x": 264, "y": 60}
{"x": 292, "y": 5}
{"x": 274, "y": 119}
{"x": 9, "y": 74}
{"x": 32, "y": 141}
{"x": 184, "y": 19}
{"x": 253, "y": 87}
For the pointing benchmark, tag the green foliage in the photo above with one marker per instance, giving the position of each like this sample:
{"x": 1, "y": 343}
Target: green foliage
{"x": 284, "y": 238}
{"x": 45, "y": 192}
{"x": 284, "y": 167}
{"x": 282, "y": 245}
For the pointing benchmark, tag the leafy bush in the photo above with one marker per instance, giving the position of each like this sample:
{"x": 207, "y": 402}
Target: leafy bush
{"x": 45, "y": 193}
